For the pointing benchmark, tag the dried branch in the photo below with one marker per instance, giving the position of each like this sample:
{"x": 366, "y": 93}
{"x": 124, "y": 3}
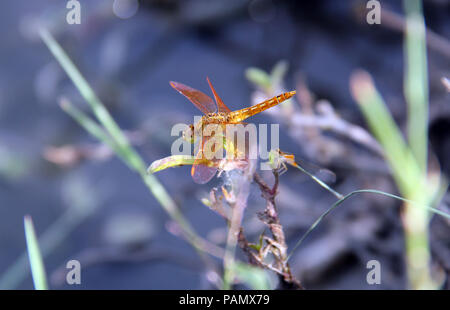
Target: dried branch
{"x": 276, "y": 245}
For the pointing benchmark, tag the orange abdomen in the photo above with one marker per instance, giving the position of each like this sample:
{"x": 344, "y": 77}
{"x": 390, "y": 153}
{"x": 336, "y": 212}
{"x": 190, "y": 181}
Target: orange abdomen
{"x": 240, "y": 115}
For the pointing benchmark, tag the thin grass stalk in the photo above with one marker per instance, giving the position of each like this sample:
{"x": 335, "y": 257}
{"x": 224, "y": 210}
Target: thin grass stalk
{"x": 117, "y": 140}
{"x": 34, "y": 256}
{"x": 416, "y": 81}
{"x": 415, "y": 220}
{"x": 408, "y": 175}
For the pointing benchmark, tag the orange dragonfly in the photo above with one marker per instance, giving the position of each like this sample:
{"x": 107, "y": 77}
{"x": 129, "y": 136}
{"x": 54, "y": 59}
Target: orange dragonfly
{"x": 216, "y": 113}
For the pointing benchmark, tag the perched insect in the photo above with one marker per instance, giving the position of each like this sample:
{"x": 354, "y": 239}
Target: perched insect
{"x": 279, "y": 160}
{"x": 216, "y": 114}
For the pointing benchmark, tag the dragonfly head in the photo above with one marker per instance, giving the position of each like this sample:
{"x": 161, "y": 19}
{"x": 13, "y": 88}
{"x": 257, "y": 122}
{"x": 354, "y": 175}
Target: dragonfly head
{"x": 188, "y": 134}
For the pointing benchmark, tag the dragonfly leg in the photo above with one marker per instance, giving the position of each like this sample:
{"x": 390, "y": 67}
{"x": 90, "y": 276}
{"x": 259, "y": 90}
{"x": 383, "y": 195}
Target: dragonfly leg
{"x": 282, "y": 168}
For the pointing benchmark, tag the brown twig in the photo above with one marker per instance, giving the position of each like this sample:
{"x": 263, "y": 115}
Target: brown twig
{"x": 307, "y": 126}
{"x": 70, "y": 155}
{"x": 275, "y": 245}
{"x": 330, "y": 121}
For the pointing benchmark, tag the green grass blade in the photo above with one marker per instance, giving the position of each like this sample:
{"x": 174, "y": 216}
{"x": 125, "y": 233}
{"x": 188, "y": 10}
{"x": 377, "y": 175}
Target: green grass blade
{"x": 91, "y": 98}
{"x": 319, "y": 181}
{"x": 373, "y": 191}
{"x": 170, "y": 161}
{"x": 78, "y": 210}
{"x": 406, "y": 172}
{"x": 254, "y": 277}
{"x": 34, "y": 256}
{"x": 121, "y": 145}
{"x": 409, "y": 175}
{"x": 278, "y": 73}
{"x": 92, "y": 127}
{"x": 259, "y": 78}
{"x": 416, "y": 222}
{"x": 416, "y": 81}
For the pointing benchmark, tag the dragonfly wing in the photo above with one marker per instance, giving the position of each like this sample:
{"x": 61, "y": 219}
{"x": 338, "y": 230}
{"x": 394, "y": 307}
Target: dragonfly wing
{"x": 203, "y": 169}
{"x": 222, "y": 107}
{"x": 202, "y": 101}
{"x": 202, "y": 174}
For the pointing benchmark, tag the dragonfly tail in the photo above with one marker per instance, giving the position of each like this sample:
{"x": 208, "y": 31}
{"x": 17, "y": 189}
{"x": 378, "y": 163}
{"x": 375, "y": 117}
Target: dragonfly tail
{"x": 240, "y": 115}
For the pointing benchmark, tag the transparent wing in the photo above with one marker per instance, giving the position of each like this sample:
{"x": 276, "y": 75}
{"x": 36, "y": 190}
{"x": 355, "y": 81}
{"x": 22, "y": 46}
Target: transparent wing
{"x": 202, "y": 174}
{"x": 222, "y": 107}
{"x": 203, "y": 169}
{"x": 202, "y": 101}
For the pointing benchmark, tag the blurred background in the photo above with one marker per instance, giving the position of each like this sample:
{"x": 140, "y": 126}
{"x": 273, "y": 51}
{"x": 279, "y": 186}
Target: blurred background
{"x": 87, "y": 205}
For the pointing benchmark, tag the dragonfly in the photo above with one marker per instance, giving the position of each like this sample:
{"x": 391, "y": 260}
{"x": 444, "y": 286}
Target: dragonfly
{"x": 279, "y": 160}
{"x": 216, "y": 113}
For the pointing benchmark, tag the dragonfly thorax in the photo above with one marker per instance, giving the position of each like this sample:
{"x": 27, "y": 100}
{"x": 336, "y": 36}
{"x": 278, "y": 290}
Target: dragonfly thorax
{"x": 196, "y": 130}
{"x": 215, "y": 118}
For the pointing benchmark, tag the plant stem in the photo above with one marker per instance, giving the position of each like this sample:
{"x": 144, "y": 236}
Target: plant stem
{"x": 34, "y": 255}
